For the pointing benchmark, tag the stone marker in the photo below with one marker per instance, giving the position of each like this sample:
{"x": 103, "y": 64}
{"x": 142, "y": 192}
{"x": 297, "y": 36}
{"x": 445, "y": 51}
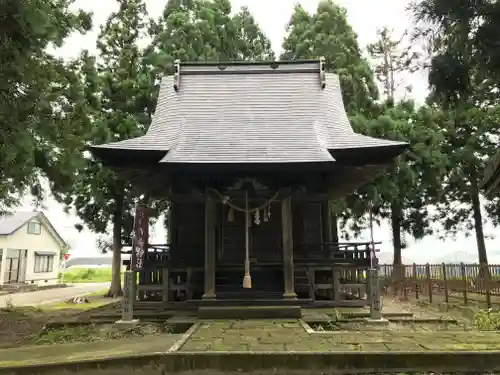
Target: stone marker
{"x": 129, "y": 295}
{"x": 375, "y": 305}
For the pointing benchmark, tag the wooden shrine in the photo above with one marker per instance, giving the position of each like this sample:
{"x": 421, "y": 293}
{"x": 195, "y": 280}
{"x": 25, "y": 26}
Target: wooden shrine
{"x": 249, "y": 156}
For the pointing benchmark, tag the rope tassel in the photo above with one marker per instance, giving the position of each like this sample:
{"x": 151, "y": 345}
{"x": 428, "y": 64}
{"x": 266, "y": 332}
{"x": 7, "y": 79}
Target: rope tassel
{"x": 247, "y": 279}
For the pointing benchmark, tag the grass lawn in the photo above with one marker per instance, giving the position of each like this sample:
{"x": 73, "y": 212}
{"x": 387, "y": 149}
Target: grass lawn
{"x": 86, "y": 275}
{"x": 96, "y": 299}
{"x": 25, "y": 325}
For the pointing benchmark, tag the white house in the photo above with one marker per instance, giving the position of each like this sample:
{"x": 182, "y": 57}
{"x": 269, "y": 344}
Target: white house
{"x": 30, "y": 249}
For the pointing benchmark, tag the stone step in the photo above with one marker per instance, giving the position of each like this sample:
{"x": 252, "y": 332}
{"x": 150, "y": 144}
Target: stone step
{"x": 249, "y": 312}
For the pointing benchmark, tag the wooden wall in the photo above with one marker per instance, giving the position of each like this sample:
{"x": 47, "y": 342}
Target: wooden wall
{"x": 188, "y": 235}
{"x": 307, "y": 229}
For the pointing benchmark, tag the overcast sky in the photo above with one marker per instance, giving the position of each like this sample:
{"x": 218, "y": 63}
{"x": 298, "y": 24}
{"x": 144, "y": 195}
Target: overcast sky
{"x": 366, "y": 17}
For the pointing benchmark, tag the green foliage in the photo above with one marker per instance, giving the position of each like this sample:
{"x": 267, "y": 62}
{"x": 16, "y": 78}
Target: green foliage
{"x": 86, "y": 275}
{"x": 392, "y": 58}
{"x": 487, "y": 320}
{"x": 327, "y": 34}
{"x": 205, "y": 30}
{"x": 403, "y": 194}
{"x": 460, "y": 82}
{"x": 120, "y": 95}
{"x": 120, "y": 103}
{"x": 40, "y": 107}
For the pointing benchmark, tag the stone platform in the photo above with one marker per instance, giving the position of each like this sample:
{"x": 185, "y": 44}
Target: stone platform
{"x": 250, "y": 312}
{"x": 255, "y": 345}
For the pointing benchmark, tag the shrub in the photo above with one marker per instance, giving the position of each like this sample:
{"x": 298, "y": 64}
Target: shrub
{"x": 487, "y": 320}
{"x": 86, "y": 275}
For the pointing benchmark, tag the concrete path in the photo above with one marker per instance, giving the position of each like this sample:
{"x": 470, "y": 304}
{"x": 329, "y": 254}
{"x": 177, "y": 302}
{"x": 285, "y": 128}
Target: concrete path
{"x": 51, "y": 295}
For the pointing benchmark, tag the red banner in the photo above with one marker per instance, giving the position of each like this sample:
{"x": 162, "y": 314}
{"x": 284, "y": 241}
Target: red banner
{"x": 141, "y": 237}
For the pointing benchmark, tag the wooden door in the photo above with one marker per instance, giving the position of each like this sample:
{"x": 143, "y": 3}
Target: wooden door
{"x": 266, "y": 237}
{"x": 232, "y": 243}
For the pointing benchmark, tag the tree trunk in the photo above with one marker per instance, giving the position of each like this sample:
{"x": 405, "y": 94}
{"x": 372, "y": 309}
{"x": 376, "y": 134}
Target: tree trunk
{"x": 478, "y": 220}
{"x": 398, "y": 268}
{"x": 396, "y": 233}
{"x": 115, "y": 289}
{"x": 484, "y": 276}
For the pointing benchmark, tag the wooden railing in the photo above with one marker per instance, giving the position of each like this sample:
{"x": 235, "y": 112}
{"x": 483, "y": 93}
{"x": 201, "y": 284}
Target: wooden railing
{"x": 443, "y": 282}
{"x": 342, "y": 253}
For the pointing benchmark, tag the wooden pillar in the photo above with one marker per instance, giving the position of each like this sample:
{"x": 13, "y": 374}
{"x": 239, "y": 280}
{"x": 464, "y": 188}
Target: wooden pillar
{"x": 326, "y": 222}
{"x": 209, "y": 248}
{"x": 166, "y": 284}
{"x": 287, "y": 241}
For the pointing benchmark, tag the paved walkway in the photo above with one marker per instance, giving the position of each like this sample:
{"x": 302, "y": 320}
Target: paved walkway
{"x": 51, "y": 295}
{"x": 290, "y": 336}
{"x": 257, "y": 336}
{"x": 55, "y": 353}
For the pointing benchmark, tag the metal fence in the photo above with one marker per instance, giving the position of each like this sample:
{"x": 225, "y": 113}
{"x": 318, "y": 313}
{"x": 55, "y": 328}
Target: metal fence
{"x": 465, "y": 281}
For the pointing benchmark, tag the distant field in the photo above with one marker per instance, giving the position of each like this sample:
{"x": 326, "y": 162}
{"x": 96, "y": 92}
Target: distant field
{"x": 86, "y": 275}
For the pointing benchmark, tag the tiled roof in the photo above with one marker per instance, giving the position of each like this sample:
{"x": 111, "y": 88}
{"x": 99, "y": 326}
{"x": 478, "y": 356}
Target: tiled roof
{"x": 250, "y": 113}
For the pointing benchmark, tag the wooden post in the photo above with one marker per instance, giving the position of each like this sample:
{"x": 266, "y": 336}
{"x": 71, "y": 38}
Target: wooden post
{"x": 336, "y": 283}
{"x": 486, "y": 282}
{"x": 429, "y": 281}
{"x": 405, "y": 290}
{"x": 463, "y": 275}
{"x": 445, "y": 280}
{"x": 166, "y": 285}
{"x": 312, "y": 282}
{"x": 287, "y": 240}
{"x": 189, "y": 282}
{"x": 416, "y": 282}
{"x": 209, "y": 249}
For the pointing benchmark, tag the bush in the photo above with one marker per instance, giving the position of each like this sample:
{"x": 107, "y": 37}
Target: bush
{"x": 86, "y": 275}
{"x": 487, "y": 320}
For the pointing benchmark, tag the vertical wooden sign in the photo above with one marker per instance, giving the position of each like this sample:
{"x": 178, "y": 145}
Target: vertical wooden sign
{"x": 141, "y": 237}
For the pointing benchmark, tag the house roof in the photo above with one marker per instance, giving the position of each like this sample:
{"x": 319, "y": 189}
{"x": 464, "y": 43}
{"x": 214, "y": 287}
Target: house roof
{"x": 10, "y": 223}
{"x": 247, "y": 112}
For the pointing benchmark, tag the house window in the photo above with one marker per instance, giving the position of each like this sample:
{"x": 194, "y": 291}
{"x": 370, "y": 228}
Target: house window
{"x": 44, "y": 262}
{"x": 34, "y": 227}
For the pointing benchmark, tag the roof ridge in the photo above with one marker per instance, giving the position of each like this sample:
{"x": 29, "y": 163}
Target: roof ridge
{"x": 249, "y": 62}
{"x": 249, "y": 67}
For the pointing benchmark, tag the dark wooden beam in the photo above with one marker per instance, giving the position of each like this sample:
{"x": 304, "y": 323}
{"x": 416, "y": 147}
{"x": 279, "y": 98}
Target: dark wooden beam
{"x": 287, "y": 241}
{"x": 210, "y": 218}
{"x": 200, "y": 198}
